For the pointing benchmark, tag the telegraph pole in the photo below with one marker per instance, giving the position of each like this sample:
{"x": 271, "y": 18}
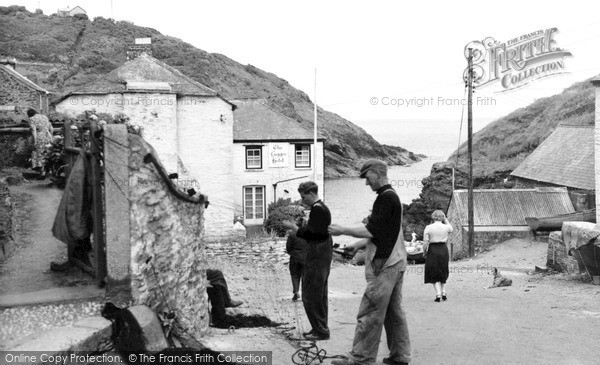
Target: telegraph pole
{"x": 470, "y": 154}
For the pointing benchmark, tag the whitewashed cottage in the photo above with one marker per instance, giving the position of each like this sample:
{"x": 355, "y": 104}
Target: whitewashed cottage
{"x": 189, "y": 125}
{"x": 272, "y": 155}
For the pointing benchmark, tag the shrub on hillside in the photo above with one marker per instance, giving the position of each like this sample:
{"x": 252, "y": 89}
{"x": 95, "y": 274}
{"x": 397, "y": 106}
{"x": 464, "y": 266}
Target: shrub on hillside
{"x": 282, "y": 210}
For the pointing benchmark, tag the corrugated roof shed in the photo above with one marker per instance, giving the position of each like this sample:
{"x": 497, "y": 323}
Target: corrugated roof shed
{"x": 565, "y": 158}
{"x": 254, "y": 120}
{"x": 509, "y": 207}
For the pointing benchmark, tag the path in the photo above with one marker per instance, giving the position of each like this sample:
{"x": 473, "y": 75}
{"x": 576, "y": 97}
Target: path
{"x": 541, "y": 319}
{"x": 538, "y": 320}
{"x": 28, "y": 269}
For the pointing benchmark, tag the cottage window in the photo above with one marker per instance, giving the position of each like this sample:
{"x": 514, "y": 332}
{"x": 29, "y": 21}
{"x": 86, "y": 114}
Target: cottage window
{"x": 302, "y": 155}
{"x": 254, "y": 204}
{"x": 253, "y": 157}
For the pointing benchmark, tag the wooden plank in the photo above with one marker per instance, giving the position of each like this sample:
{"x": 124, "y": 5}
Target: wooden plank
{"x": 99, "y": 243}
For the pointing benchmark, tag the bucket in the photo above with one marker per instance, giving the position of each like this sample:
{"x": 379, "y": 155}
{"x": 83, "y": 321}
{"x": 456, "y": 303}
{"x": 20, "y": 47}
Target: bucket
{"x": 596, "y": 279}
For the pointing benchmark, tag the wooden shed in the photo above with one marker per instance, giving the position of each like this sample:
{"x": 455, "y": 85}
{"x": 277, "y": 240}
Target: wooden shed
{"x": 499, "y": 215}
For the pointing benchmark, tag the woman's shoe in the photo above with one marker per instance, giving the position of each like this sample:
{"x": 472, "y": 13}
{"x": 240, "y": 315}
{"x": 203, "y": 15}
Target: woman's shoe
{"x": 437, "y": 298}
{"x": 444, "y": 297}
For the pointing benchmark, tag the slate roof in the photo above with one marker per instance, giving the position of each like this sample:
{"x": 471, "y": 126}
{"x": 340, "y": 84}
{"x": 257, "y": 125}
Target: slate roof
{"x": 509, "y": 207}
{"x": 565, "y": 158}
{"x": 24, "y": 80}
{"x": 144, "y": 69}
{"x": 254, "y": 120}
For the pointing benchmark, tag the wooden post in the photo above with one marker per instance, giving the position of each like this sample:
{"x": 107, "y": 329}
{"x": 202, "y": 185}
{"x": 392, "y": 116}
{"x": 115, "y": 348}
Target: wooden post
{"x": 98, "y": 205}
{"x": 68, "y": 143}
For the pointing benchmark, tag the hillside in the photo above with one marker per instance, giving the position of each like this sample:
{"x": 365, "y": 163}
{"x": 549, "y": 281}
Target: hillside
{"x": 71, "y": 51}
{"x": 499, "y": 148}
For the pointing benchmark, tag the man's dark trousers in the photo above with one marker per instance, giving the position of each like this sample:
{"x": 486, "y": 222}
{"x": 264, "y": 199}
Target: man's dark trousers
{"x": 314, "y": 284}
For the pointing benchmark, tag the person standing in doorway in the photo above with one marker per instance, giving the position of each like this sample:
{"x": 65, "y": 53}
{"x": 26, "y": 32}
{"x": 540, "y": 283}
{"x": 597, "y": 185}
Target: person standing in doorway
{"x": 319, "y": 252}
{"x": 435, "y": 238}
{"x": 385, "y": 264}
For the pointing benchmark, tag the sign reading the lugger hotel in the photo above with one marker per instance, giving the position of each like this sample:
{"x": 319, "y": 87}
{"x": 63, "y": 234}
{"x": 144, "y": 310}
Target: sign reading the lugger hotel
{"x": 518, "y": 61}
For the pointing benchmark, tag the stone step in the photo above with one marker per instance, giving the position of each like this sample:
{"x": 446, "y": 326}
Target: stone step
{"x": 55, "y": 295}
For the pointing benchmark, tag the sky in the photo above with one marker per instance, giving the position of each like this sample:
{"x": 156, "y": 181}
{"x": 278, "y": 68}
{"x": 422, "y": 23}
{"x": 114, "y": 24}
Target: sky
{"x": 376, "y": 60}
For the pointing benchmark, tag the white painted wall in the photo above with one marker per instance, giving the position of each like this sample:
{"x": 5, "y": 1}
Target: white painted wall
{"x": 205, "y": 134}
{"x": 597, "y": 149}
{"x": 155, "y": 113}
{"x": 193, "y": 136}
{"x": 267, "y": 176}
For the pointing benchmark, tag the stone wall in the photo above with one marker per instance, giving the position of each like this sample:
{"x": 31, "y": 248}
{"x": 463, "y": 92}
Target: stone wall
{"x": 6, "y": 226}
{"x": 167, "y": 256}
{"x": 15, "y": 93}
{"x": 557, "y": 257}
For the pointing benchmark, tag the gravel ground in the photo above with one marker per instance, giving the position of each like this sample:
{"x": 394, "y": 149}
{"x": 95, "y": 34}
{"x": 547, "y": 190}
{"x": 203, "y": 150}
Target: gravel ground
{"x": 16, "y": 323}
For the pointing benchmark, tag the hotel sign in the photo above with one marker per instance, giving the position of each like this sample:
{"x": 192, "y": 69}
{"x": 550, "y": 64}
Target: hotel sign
{"x": 517, "y": 62}
{"x": 278, "y": 154}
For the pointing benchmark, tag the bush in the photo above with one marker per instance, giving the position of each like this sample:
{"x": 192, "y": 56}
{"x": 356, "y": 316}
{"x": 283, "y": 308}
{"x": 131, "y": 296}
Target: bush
{"x": 80, "y": 17}
{"x": 55, "y": 164}
{"x": 282, "y": 210}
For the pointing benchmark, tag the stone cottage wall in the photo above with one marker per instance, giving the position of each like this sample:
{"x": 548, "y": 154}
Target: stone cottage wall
{"x": 167, "y": 256}
{"x": 15, "y": 93}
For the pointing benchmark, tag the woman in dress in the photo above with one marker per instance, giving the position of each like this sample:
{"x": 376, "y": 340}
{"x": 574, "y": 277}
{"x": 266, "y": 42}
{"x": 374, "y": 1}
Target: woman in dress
{"x": 41, "y": 131}
{"x": 435, "y": 238}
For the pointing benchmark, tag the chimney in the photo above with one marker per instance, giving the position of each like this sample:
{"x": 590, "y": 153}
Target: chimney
{"x": 141, "y": 45}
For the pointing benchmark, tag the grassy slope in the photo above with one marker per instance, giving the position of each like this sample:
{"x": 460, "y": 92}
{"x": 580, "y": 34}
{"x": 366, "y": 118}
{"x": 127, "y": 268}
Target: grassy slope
{"x": 84, "y": 50}
{"x": 501, "y": 146}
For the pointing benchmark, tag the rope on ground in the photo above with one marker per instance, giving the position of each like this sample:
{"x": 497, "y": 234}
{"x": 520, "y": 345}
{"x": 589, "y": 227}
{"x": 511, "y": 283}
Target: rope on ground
{"x": 308, "y": 354}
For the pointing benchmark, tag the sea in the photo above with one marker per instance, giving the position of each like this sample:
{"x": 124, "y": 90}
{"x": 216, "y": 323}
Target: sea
{"x": 350, "y": 200}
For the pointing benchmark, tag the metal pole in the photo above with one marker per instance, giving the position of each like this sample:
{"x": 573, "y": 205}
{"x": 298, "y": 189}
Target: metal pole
{"x": 470, "y": 156}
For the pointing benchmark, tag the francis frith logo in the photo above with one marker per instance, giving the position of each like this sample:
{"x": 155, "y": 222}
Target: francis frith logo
{"x": 518, "y": 61}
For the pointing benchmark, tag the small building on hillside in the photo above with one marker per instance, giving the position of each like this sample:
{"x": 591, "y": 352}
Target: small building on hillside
{"x": 189, "y": 125}
{"x": 18, "y": 93}
{"x": 272, "y": 155}
{"x": 499, "y": 215}
{"x": 71, "y": 12}
{"x": 564, "y": 159}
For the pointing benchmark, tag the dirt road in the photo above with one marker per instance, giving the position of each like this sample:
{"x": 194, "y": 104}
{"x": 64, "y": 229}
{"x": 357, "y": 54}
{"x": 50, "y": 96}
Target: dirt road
{"x": 538, "y": 320}
{"x": 28, "y": 269}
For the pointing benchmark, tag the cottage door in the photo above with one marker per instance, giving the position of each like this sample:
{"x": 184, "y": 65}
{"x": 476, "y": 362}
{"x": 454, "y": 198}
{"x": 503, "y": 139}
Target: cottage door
{"x": 254, "y": 205}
